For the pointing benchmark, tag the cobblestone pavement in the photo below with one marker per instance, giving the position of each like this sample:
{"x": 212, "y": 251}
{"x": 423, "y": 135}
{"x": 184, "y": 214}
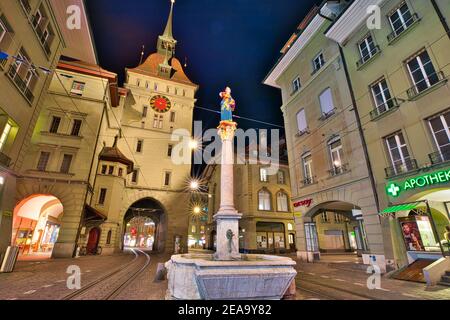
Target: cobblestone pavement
{"x": 46, "y": 280}
{"x": 325, "y": 281}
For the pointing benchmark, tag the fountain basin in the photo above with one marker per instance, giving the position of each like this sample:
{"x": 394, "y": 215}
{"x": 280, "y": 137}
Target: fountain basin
{"x": 253, "y": 277}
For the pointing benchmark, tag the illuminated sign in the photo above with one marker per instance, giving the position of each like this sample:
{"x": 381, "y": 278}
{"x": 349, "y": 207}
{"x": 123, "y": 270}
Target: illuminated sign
{"x": 304, "y": 203}
{"x": 395, "y": 189}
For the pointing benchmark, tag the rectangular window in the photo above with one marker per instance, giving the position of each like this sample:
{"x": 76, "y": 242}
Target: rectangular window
{"x": 318, "y": 62}
{"x": 282, "y": 202}
{"x": 3, "y": 30}
{"x": 301, "y": 122}
{"x": 264, "y": 203}
{"x": 144, "y": 112}
{"x": 54, "y": 126}
{"x": 139, "y": 146}
{"x": 76, "y": 127}
{"x": 307, "y": 169}
{"x": 37, "y": 18}
{"x": 158, "y": 121}
{"x": 263, "y": 175}
{"x": 169, "y": 150}
{"x": 65, "y": 165}
{"x": 422, "y": 72}
{"x": 43, "y": 161}
{"x": 367, "y": 48}
{"x": 167, "y": 178}
{"x": 336, "y": 154}
{"x": 401, "y": 19}
{"x": 77, "y": 88}
{"x": 102, "y": 196}
{"x": 398, "y": 152}
{"x": 296, "y": 85}
{"x": 134, "y": 176}
{"x": 326, "y": 103}
{"x": 172, "y": 116}
{"x": 382, "y": 96}
{"x": 120, "y": 172}
{"x": 111, "y": 170}
{"x": 104, "y": 169}
{"x": 5, "y": 135}
{"x": 440, "y": 127}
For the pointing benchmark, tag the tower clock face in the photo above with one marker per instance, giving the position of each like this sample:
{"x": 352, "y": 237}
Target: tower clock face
{"x": 160, "y": 104}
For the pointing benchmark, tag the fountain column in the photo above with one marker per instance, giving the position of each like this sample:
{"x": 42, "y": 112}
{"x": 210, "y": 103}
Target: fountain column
{"x": 227, "y": 218}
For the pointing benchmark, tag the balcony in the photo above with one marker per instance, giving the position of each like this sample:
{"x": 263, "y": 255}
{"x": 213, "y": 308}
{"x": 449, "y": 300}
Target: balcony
{"x": 394, "y": 35}
{"x": 389, "y": 106}
{"x": 426, "y": 85}
{"x": 407, "y": 166}
{"x": 364, "y": 60}
{"x": 439, "y": 157}
{"x": 338, "y": 170}
{"x": 20, "y": 84}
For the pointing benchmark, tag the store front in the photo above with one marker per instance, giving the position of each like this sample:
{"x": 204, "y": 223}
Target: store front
{"x": 36, "y": 226}
{"x": 270, "y": 236}
{"x": 419, "y": 218}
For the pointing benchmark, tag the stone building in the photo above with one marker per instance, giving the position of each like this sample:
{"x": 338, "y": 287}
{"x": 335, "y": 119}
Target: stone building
{"x": 329, "y": 170}
{"x": 267, "y": 223}
{"x": 30, "y": 32}
{"x": 399, "y": 73}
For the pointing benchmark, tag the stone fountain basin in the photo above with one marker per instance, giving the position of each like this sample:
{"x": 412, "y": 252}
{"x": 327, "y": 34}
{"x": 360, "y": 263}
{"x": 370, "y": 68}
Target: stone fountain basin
{"x": 254, "y": 277}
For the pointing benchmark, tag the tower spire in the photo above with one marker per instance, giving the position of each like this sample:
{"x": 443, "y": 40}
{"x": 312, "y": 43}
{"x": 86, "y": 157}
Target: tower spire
{"x": 166, "y": 41}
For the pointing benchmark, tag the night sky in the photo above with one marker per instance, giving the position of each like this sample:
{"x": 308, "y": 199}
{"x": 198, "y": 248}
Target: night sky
{"x": 226, "y": 42}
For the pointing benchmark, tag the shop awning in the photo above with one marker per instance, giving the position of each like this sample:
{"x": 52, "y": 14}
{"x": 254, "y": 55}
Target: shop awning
{"x": 93, "y": 214}
{"x": 401, "y": 207}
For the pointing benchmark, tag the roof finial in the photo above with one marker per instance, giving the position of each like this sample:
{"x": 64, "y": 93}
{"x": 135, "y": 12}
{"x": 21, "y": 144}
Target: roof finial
{"x": 168, "y": 31}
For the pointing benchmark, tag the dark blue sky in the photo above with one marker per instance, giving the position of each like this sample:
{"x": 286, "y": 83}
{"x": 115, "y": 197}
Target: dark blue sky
{"x": 227, "y": 42}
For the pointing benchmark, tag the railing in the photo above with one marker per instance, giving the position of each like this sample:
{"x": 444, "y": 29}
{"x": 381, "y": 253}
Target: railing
{"x": 327, "y": 115}
{"x": 407, "y": 166}
{"x": 366, "y": 58}
{"x": 335, "y": 171}
{"x": 25, "y": 6}
{"x": 382, "y": 109}
{"x": 308, "y": 181}
{"x": 21, "y": 85}
{"x": 302, "y": 133}
{"x": 439, "y": 157}
{"x": 4, "y": 160}
{"x": 420, "y": 87}
{"x": 409, "y": 23}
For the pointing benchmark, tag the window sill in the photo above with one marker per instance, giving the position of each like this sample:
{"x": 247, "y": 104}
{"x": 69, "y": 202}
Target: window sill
{"x": 385, "y": 113}
{"x": 52, "y": 173}
{"x": 404, "y": 32}
{"x": 327, "y": 116}
{"x": 437, "y": 85}
{"x": 46, "y": 133}
{"x": 368, "y": 61}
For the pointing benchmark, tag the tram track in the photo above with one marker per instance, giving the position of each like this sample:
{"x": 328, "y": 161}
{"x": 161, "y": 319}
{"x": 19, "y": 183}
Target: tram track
{"x": 115, "y": 282}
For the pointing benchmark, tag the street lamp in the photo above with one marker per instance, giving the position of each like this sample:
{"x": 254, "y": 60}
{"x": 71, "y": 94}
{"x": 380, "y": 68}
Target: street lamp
{"x": 193, "y": 144}
{"x": 197, "y": 210}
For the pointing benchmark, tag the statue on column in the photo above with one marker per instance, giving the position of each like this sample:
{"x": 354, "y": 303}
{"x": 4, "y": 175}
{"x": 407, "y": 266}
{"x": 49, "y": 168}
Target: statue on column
{"x": 228, "y": 105}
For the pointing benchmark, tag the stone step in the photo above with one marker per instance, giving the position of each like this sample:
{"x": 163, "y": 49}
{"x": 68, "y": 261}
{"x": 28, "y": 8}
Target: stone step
{"x": 444, "y": 284}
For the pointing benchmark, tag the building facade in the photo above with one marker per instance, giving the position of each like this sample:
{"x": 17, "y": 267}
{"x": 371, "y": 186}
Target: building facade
{"x": 267, "y": 223}
{"x": 399, "y": 73}
{"x": 31, "y": 37}
{"x": 332, "y": 192}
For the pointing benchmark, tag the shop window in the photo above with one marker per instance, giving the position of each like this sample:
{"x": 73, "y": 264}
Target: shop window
{"x": 264, "y": 200}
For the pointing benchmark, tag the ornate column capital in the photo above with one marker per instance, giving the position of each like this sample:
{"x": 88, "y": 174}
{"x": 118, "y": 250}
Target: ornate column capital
{"x": 227, "y": 130}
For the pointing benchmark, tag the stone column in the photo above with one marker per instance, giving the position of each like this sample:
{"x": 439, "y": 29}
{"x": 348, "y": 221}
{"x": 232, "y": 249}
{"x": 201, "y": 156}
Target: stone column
{"x": 227, "y": 218}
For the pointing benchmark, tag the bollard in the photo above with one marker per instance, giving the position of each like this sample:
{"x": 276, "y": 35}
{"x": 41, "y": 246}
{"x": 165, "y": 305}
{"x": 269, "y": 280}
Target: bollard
{"x": 161, "y": 273}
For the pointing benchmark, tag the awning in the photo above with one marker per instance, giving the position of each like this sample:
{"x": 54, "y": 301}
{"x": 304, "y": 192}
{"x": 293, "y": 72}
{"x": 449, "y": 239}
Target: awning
{"x": 93, "y": 214}
{"x": 401, "y": 207}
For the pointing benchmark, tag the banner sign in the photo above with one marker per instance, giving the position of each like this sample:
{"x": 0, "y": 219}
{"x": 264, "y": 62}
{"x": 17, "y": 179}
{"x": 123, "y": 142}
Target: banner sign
{"x": 395, "y": 189}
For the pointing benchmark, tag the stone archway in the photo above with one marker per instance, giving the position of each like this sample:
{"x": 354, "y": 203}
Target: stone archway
{"x": 153, "y": 209}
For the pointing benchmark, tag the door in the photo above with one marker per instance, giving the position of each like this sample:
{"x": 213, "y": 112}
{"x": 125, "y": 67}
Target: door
{"x": 94, "y": 238}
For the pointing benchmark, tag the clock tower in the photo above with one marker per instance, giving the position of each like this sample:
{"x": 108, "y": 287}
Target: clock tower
{"x": 160, "y": 99}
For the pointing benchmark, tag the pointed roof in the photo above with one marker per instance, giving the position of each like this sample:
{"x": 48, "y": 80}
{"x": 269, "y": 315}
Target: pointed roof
{"x": 168, "y": 31}
{"x": 113, "y": 154}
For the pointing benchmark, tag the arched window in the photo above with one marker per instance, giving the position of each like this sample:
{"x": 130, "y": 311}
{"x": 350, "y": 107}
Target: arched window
{"x": 108, "y": 237}
{"x": 264, "y": 201}
{"x": 282, "y": 202}
{"x": 290, "y": 227}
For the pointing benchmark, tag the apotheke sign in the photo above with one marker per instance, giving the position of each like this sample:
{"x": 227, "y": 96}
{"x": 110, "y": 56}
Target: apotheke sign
{"x": 440, "y": 177}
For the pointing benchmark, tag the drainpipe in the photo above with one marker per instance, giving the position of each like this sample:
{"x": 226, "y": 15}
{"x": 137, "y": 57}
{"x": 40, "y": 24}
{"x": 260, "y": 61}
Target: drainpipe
{"x": 83, "y": 213}
{"x": 441, "y": 17}
{"x": 360, "y": 129}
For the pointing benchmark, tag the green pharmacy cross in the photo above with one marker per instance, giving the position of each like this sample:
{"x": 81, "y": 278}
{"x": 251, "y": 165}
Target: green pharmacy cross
{"x": 393, "y": 190}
